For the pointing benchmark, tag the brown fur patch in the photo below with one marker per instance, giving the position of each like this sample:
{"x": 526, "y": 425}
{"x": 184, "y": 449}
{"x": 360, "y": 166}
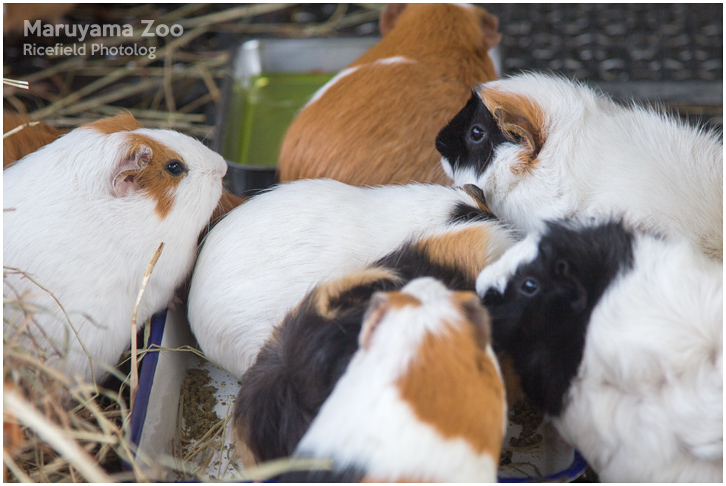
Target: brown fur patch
{"x": 153, "y": 179}
{"x": 454, "y": 386}
{"x": 241, "y": 450}
{"x": 327, "y": 292}
{"x": 27, "y": 140}
{"x": 398, "y": 300}
{"x": 522, "y": 121}
{"x": 464, "y": 250}
{"x": 123, "y": 122}
{"x": 378, "y": 125}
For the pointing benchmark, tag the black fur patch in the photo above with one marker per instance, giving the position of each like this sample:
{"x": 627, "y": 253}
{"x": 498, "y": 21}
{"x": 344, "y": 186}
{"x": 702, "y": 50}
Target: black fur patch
{"x": 348, "y": 475}
{"x": 463, "y": 213}
{"x": 458, "y": 141}
{"x": 296, "y": 371}
{"x": 544, "y": 330}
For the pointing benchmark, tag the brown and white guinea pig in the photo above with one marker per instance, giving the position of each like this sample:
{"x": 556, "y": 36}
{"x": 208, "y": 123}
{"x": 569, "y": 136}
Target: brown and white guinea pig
{"x": 83, "y": 216}
{"x": 422, "y": 399}
{"x": 266, "y": 255}
{"x": 376, "y": 121}
{"x": 27, "y": 140}
{"x": 307, "y": 353}
{"x": 544, "y": 147}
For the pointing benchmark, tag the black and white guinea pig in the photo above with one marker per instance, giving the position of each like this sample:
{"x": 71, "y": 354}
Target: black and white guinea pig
{"x": 83, "y": 216}
{"x": 307, "y": 353}
{"x": 619, "y": 336}
{"x": 543, "y": 147}
{"x": 267, "y": 254}
{"x": 421, "y": 400}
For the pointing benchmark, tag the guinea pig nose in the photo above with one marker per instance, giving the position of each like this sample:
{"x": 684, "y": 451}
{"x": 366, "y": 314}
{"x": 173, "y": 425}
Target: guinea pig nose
{"x": 492, "y": 297}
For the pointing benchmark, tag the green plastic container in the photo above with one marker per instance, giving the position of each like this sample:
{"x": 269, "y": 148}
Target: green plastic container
{"x": 273, "y": 79}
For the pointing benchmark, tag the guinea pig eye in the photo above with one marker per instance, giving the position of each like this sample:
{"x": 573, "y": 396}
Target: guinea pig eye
{"x": 529, "y": 287}
{"x": 175, "y": 167}
{"x": 476, "y": 134}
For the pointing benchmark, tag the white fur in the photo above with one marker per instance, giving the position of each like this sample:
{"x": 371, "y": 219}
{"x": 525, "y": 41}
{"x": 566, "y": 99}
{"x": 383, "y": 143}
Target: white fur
{"x": 601, "y": 158}
{"x": 262, "y": 259}
{"x": 647, "y": 402}
{"x": 497, "y": 275}
{"x": 71, "y": 234}
{"x": 365, "y": 422}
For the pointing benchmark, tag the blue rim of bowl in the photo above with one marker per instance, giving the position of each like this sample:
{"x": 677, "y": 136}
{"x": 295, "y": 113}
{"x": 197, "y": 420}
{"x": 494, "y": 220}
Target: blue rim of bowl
{"x": 576, "y": 469}
{"x": 146, "y": 377}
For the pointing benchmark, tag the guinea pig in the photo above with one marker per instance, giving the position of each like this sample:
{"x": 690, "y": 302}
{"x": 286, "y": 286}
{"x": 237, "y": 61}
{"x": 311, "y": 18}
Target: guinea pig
{"x": 82, "y": 218}
{"x": 544, "y": 147}
{"x": 618, "y": 335}
{"x": 376, "y": 121}
{"x": 265, "y": 255}
{"x": 422, "y": 399}
{"x": 27, "y": 140}
{"x": 309, "y": 350}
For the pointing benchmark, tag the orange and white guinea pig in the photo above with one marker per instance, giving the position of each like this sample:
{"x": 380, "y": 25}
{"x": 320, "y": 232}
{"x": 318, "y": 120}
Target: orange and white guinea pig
{"x": 422, "y": 400}
{"x": 376, "y": 121}
{"x": 82, "y": 217}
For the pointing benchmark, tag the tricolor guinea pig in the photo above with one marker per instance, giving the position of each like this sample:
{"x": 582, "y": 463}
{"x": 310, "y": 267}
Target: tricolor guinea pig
{"x": 309, "y": 350}
{"x": 376, "y": 121}
{"x": 82, "y": 218}
{"x": 265, "y": 255}
{"x": 618, "y": 335}
{"x": 544, "y": 147}
{"x": 422, "y": 399}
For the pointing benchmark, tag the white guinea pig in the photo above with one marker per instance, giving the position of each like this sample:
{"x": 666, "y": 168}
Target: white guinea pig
{"x": 421, "y": 400}
{"x": 544, "y": 147}
{"x": 83, "y": 216}
{"x": 619, "y": 336}
{"x": 268, "y": 253}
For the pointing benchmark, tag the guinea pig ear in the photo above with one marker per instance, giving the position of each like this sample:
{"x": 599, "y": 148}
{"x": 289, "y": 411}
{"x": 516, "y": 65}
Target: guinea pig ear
{"x": 124, "y": 176}
{"x": 374, "y": 315}
{"x": 578, "y": 299}
{"x": 389, "y": 17}
{"x": 478, "y": 315}
{"x": 477, "y": 195}
{"x": 520, "y": 119}
{"x": 489, "y": 24}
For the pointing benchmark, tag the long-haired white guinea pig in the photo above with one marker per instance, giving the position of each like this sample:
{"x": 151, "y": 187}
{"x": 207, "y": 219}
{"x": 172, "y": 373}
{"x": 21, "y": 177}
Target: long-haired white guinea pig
{"x": 83, "y": 216}
{"x": 544, "y": 147}
{"x": 265, "y": 255}
{"x": 619, "y": 336}
{"x": 421, "y": 400}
